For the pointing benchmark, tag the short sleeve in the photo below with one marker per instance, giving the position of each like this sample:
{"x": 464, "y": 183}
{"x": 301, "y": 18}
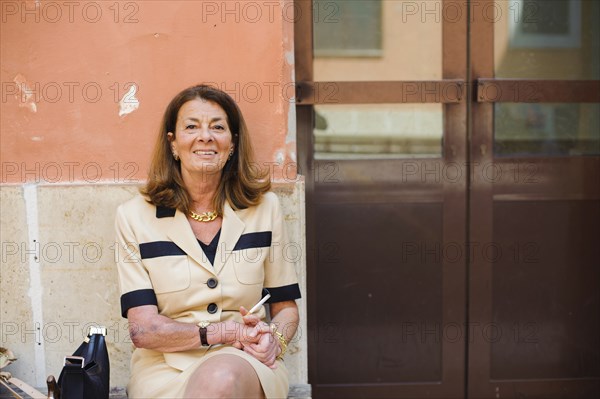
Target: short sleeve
{"x": 280, "y": 273}
{"x": 134, "y": 280}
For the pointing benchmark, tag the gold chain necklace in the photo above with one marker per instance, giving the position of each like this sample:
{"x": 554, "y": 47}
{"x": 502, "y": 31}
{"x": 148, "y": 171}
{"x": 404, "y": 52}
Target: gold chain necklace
{"x": 204, "y": 216}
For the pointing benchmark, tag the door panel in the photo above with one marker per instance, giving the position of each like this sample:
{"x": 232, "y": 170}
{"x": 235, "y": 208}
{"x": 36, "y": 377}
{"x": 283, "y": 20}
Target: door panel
{"x": 545, "y": 290}
{"x": 375, "y": 287}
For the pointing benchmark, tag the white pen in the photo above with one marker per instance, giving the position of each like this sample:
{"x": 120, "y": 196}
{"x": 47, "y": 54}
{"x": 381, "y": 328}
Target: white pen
{"x": 259, "y": 304}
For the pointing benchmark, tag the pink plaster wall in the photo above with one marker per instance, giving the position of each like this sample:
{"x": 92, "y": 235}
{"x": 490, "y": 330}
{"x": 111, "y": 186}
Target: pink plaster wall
{"x": 69, "y": 131}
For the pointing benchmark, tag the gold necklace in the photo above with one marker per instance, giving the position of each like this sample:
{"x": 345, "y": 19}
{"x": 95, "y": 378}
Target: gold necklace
{"x": 204, "y": 216}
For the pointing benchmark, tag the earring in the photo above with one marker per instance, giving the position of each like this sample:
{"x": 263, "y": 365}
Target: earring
{"x": 176, "y": 157}
{"x": 230, "y": 154}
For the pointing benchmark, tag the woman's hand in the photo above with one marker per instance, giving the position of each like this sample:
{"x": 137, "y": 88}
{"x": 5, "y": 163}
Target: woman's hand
{"x": 266, "y": 350}
{"x": 267, "y": 347}
{"x": 238, "y": 334}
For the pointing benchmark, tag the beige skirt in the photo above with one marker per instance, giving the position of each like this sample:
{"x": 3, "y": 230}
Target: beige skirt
{"x": 152, "y": 377}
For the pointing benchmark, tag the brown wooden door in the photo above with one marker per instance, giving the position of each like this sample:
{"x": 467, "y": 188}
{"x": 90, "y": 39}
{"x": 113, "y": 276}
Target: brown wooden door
{"x": 534, "y": 297}
{"x": 469, "y": 269}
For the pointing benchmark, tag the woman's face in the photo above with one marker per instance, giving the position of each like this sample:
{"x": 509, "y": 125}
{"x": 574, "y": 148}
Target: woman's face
{"x": 202, "y": 138}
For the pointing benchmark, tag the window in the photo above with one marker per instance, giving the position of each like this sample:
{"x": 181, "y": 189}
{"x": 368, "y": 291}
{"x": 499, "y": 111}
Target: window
{"x": 545, "y": 24}
{"x": 346, "y": 28}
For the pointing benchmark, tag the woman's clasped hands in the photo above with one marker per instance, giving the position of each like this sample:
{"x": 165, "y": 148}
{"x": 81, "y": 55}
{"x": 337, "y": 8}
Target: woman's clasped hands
{"x": 258, "y": 340}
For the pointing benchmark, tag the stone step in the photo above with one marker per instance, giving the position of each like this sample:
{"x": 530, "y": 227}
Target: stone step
{"x": 297, "y": 391}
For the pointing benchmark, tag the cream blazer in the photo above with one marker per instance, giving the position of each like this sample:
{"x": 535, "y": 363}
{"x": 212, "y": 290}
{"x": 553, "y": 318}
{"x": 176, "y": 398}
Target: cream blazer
{"x": 161, "y": 263}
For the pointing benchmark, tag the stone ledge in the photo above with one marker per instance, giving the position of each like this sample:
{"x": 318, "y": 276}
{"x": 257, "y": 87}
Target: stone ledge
{"x": 300, "y": 391}
{"x": 297, "y": 391}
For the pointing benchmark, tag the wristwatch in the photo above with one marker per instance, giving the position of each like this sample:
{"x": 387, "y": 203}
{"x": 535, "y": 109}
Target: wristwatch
{"x": 203, "y": 325}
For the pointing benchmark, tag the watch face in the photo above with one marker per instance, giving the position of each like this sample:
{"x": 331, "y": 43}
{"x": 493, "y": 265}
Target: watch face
{"x": 204, "y": 324}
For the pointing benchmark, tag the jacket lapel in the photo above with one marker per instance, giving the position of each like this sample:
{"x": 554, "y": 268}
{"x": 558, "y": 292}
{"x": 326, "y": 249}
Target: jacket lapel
{"x": 180, "y": 231}
{"x": 231, "y": 230}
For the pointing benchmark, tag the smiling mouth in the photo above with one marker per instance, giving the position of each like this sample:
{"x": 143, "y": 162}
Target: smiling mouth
{"x": 201, "y": 152}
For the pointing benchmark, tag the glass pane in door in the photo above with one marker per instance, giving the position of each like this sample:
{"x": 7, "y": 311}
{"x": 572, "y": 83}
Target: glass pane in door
{"x": 365, "y": 40}
{"x": 378, "y": 131}
{"x": 542, "y": 39}
{"x": 547, "y": 40}
{"x": 546, "y": 129}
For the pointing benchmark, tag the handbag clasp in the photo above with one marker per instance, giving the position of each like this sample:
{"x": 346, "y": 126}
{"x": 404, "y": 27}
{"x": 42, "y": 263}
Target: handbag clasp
{"x": 74, "y": 360}
{"x": 97, "y": 330}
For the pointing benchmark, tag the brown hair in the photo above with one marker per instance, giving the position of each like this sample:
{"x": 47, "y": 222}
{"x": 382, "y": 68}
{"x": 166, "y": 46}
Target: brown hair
{"x": 241, "y": 184}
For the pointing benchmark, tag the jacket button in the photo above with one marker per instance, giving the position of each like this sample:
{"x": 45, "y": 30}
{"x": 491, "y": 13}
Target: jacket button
{"x": 212, "y": 308}
{"x": 212, "y": 282}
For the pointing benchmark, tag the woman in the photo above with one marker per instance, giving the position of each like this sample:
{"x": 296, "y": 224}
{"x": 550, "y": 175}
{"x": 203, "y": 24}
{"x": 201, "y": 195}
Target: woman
{"x": 203, "y": 243}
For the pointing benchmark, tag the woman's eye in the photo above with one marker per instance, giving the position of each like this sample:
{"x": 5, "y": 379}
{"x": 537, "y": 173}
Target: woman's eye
{"x": 218, "y": 127}
{"x": 188, "y": 127}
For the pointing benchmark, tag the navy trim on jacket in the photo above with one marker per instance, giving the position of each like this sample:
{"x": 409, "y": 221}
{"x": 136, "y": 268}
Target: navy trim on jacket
{"x": 137, "y": 298}
{"x": 156, "y": 249}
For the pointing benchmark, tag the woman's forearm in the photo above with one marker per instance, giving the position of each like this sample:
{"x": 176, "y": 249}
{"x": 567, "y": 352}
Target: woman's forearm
{"x": 151, "y": 330}
{"x": 285, "y": 316}
{"x": 163, "y": 334}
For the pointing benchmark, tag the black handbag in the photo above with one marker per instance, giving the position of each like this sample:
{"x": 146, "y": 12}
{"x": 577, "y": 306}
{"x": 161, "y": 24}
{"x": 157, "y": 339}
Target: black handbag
{"x": 86, "y": 373}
